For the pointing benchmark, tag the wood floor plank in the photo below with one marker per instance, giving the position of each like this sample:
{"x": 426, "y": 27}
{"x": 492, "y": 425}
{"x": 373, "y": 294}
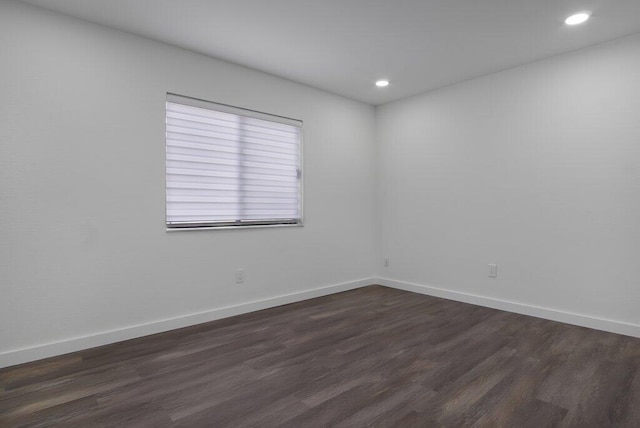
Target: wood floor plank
{"x": 374, "y": 356}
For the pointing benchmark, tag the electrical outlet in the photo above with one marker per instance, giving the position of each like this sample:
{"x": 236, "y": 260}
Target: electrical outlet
{"x": 493, "y": 271}
{"x": 386, "y": 262}
{"x": 239, "y": 276}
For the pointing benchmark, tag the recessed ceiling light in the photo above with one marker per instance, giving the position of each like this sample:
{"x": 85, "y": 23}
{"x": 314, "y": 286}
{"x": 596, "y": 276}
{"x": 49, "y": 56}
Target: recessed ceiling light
{"x": 382, "y": 83}
{"x": 576, "y": 19}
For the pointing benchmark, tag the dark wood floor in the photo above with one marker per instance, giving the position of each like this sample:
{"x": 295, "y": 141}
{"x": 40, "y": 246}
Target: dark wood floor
{"x": 368, "y": 357}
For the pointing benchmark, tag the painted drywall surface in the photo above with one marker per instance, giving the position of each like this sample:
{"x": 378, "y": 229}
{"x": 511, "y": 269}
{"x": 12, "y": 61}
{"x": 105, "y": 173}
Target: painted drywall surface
{"x": 83, "y": 243}
{"x": 536, "y": 169}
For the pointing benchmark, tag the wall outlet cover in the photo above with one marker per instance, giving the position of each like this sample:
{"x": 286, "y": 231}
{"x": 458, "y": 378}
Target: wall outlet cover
{"x": 493, "y": 270}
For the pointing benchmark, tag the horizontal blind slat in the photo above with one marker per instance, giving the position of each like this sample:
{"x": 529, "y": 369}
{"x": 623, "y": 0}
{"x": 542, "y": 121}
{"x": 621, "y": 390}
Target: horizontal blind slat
{"x": 249, "y": 183}
{"x": 230, "y": 205}
{"x": 215, "y": 161}
{"x": 273, "y": 213}
{"x": 222, "y": 111}
{"x": 220, "y": 187}
{"x": 229, "y": 134}
{"x": 200, "y": 122}
{"x": 206, "y": 144}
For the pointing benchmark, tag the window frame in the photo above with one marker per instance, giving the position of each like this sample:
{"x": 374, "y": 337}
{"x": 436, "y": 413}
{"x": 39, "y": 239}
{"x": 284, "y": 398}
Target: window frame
{"x": 239, "y": 224}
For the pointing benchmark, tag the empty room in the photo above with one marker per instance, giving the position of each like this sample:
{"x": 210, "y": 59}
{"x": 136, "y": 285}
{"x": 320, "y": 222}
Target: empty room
{"x": 295, "y": 213}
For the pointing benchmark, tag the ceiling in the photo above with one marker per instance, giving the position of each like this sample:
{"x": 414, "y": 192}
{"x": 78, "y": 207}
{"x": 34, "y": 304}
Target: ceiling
{"x": 343, "y": 46}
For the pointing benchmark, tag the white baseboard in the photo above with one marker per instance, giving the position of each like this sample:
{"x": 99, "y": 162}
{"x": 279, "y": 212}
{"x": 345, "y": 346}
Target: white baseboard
{"x": 612, "y": 326}
{"x": 38, "y": 352}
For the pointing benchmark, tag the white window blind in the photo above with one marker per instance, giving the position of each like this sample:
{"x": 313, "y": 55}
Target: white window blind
{"x": 228, "y": 166}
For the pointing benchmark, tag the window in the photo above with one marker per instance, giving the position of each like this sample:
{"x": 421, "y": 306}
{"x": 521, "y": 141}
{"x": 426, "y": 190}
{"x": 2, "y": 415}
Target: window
{"x": 230, "y": 167}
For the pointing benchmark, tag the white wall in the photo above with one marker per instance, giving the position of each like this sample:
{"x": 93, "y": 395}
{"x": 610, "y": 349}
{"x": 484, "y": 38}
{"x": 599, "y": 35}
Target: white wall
{"x": 83, "y": 244}
{"x": 536, "y": 169}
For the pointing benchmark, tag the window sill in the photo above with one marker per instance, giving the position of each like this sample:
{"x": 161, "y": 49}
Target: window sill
{"x": 255, "y": 226}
